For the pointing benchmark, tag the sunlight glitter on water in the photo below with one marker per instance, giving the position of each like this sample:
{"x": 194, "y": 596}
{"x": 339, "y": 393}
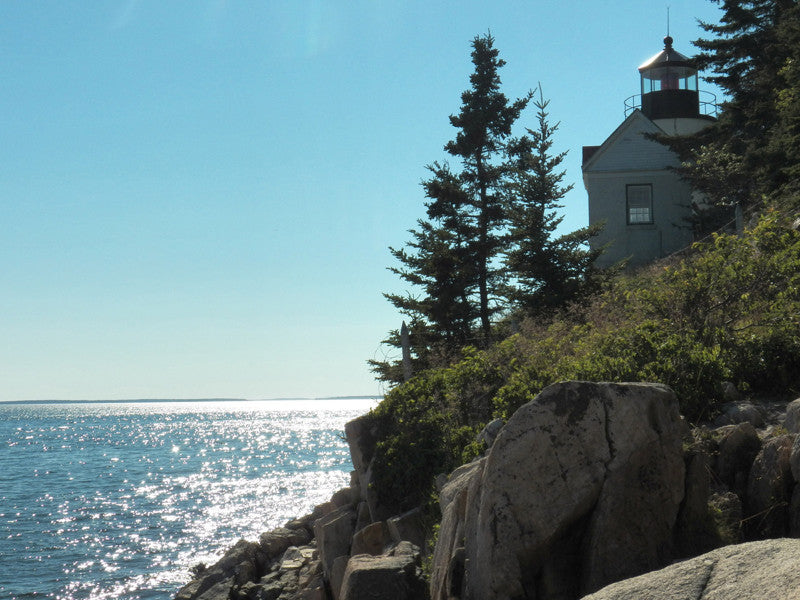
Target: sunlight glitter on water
{"x": 119, "y": 500}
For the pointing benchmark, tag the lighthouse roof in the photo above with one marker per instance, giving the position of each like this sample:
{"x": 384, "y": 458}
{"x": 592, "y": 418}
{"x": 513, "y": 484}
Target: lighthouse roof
{"x": 668, "y": 57}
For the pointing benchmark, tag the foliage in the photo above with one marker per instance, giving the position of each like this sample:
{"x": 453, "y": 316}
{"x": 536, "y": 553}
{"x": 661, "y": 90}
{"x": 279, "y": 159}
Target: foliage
{"x": 484, "y": 124}
{"x": 451, "y": 256}
{"x": 439, "y": 263}
{"x": 752, "y": 151}
{"x": 729, "y": 311}
{"x": 486, "y": 246}
{"x": 429, "y": 424}
{"x": 547, "y": 271}
{"x": 470, "y": 203}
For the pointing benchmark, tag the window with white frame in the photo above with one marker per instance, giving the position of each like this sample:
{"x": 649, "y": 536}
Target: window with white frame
{"x": 640, "y": 203}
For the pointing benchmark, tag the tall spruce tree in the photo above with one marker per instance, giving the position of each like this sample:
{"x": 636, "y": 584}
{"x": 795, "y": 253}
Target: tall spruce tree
{"x": 440, "y": 320}
{"x": 493, "y": 218}
{"x": 745, "y": 57}
{"x": 750, "y": 152}
{"x": 785, "y": 138}
{"x": 546, "y": 270}
{"x": 453, "y": 258}
{"x": 477, "y": 193}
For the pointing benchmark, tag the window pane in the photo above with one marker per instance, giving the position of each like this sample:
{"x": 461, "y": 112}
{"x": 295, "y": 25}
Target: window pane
{"x": 639, "y": 215}
{"x": 638, "y": 196}
{"x": 640, "y": 203}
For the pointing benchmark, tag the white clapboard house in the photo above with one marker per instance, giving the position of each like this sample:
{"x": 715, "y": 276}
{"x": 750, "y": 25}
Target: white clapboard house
{"x": 643, "y": 204}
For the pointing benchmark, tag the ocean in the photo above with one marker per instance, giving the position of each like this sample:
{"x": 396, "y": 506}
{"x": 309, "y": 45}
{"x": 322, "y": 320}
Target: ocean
{"x": 121, "y": 499}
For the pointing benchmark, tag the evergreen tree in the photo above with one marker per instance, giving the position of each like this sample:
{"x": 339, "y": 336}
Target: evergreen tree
{"x": 745, "y": 58}
{"x": 505, "y": 193}
{"x": 452, "y": 258}
{"x": 546, "y": 272}
{"x": 438, "y": 262}
{"x": 785, "y": 138}
{"x": 751, "y": 151}
{"x": 476, "y": 195}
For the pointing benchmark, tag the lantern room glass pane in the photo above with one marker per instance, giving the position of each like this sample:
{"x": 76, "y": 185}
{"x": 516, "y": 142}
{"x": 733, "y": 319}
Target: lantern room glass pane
{"x": 669, "y": 78}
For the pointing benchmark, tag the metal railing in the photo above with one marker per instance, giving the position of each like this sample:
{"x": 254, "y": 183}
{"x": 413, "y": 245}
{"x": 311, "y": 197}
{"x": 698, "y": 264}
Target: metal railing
{"x": 708, "y": 104}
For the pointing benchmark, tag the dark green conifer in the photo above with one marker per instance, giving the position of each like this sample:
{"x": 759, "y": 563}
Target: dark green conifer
{"x": 491, "y": 217}
{"x": 546, "y": 271}
{"x": 476, "y": 194}
{"x": 452, "y": 257}
{"x": 751, "y": 152}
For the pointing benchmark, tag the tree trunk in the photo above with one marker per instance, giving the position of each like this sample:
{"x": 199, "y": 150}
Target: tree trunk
{"x": 483, "y": 253}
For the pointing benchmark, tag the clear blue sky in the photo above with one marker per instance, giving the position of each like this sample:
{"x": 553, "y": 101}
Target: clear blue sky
{"x": 196, "y": 197}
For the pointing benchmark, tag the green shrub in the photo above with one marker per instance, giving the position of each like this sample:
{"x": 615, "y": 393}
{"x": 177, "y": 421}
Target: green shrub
{"x": 730, "y": 310}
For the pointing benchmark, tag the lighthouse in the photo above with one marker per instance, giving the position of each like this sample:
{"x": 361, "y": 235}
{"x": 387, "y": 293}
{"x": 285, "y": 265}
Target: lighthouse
{"x": 644, "y": 205}
{"x": 670, "y": 97}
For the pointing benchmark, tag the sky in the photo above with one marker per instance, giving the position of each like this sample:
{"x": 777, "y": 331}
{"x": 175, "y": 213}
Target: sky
{"x": 197, "y": 197}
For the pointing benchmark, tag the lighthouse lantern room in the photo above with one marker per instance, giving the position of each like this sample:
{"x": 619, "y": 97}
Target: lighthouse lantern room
{"x": 630, "y": 178}
{"x": 669, "y": 85}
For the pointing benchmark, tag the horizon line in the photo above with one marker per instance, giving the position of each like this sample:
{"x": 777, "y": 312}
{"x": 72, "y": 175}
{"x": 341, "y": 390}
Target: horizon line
{"x": 144, "y": 400}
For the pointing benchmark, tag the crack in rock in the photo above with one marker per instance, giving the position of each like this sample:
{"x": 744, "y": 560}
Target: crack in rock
{"x": 612, "y": 453}
{"x": 709, "y": 574}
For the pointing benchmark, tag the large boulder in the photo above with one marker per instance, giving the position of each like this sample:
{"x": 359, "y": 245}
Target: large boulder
{"x": 769, "y": 489}
{"x": 581, "y": 488}
{"x": 334, "y": 535}
{"x": 692, "y": 527}
{"x": 738, "y": 446}
{"x": 489, "y": 433}
{"x": 361, "y": 437}
{"x": 447, "y": 575}
{"x": 753, "y": 571}
{"x": 792, "y": 419}
{"x": 371, "y": 539}
{"x": 794, "y": 513}
{"x": 740, "y": 412}
{"x": 348, "y": 496}
{"x": 385, "y": 577}
{"x": 240, "y": 564}
{"x": 408, "y": 526}
{"x": 794, "y": 459}
{"x": 274, "y": 543}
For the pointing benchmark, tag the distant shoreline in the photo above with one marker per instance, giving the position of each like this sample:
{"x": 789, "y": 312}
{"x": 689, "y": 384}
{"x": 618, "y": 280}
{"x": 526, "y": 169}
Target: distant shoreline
{"x": 156, "y": 400}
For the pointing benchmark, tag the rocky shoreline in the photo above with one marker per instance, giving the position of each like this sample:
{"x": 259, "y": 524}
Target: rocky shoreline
{"x": 588, "y": 485}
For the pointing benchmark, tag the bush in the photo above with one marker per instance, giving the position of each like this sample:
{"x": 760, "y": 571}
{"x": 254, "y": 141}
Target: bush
{"x": 425, "y": 427}
{"x": 730, "y": 310}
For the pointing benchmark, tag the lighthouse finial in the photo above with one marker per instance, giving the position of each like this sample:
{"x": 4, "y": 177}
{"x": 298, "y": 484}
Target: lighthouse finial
{"x": 667, "y": 20}
{"x": 668, "y": 39}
